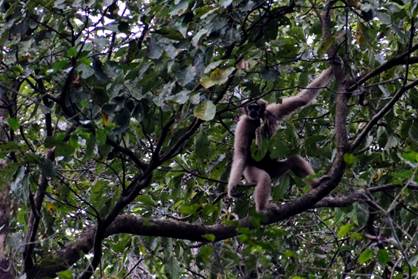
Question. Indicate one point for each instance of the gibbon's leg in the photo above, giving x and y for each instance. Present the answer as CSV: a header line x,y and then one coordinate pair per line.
x,y
299,166
262,189
242,142
302,168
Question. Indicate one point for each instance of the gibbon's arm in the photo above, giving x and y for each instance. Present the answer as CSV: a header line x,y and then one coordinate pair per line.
x,y
290,104
242,142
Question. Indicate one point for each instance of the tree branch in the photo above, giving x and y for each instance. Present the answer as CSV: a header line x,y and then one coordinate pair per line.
x,y
187,231
131,155
359,195
35,214
398,60
362,135
341,201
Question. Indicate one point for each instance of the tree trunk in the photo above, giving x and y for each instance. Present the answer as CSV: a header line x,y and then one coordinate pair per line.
x,y
6,268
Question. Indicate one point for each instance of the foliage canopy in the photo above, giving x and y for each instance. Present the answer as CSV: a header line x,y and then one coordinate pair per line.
x,y
117,123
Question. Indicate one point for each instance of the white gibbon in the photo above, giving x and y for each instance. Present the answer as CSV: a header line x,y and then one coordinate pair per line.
x,y
260,119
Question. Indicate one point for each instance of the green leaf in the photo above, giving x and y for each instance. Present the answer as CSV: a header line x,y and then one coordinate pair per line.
x,y
64,149
189,209
283,143
170,33
85,70
11,146
90,144
289,253
13,123
401,176
356,236
97,194
155,51
209,236
205,111
259,151
212,66
147,200
122,243
413,97
383,256
67,274
85,60
344,230
196,38
180,8
269,74
60,65
366,256
216,77
101,136
182,97
187,76
225,3
72,52
350,159
205,253
410,156
202,145
54,140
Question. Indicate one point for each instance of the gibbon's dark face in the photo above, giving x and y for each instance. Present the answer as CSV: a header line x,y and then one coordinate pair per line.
x,y
255,111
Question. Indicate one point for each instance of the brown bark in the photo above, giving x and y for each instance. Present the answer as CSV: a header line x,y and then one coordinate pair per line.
x,y
6,270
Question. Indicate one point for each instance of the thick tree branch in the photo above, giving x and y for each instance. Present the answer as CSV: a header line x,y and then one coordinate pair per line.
x,y
181,230
341,201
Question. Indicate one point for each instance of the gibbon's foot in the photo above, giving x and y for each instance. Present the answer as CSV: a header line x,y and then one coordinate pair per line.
x,y
315,182
233,193
270,206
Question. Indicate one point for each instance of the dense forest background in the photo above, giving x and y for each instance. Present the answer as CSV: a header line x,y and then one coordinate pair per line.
x,y
116,132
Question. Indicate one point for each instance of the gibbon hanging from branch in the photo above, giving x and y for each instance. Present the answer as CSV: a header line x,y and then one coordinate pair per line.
x,y
260,120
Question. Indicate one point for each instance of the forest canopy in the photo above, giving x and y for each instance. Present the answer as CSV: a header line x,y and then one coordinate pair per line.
x,y
117,123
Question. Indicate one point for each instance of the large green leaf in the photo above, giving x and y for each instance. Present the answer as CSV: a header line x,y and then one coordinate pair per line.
x,y
216,77
205,110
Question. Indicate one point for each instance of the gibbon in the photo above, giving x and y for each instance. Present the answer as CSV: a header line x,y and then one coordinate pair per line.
x,y
260,119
